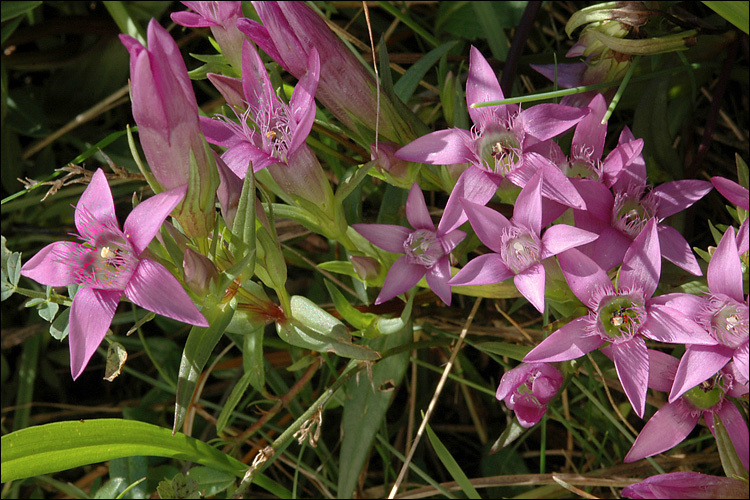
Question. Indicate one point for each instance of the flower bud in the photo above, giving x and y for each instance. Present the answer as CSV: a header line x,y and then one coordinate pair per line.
x,y
366,268
198,271
527,388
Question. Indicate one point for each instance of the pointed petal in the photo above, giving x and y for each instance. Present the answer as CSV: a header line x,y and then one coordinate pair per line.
x,y
666,429
530,283
597,198
475,185
389,237
416,210
698,364
569,342
687,305
633,175
742,362
568,74
561,237
97,201
487,224
736,427
676,196
591,132
481,85
585,278
255,81
259,34
190,20
676,250
154,288
661,370
641,266
444,147
608,250
303,101
451,240
437,277
557,186
240,156
665,324
483,270
230,89
56,264
618,161
732,191
725,269
528,207
743,237
90,316
401,277
145,220
218,132
545,121
631,363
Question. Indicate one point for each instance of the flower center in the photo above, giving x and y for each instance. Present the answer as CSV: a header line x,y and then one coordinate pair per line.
x,y
108,266
581,164
520,248
630,213
727,319
275,129
707,394
422,247
499,150
620,317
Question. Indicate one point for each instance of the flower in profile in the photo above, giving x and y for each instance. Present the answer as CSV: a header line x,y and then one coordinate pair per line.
x,y
672,423
518,249
426,250
221,18
732,191
527,388
108,263
679,485
620,316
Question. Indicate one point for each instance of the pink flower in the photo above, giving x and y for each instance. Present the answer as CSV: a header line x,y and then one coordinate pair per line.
x,y
620,316
517,245
109,263
527,388
222,18
426,250
679,485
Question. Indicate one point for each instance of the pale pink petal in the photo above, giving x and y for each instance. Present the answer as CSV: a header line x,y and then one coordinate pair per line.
x,y
481,86
487,224
732,191
561,237
618,161
242,155
545,121
444,147
483,270
451,240
57,264
586,279
724,273
687,485
688,305
389,237
145,220
608,249
632,176
661,370
416,210
528,207
736,427
96,200
475,185
743,237
591,132
665,324
699,363
401,277
676,250
90,316
437,278
741,360
191,20
666,429
569,342
641,266
676,196
530,283
154,288
631,363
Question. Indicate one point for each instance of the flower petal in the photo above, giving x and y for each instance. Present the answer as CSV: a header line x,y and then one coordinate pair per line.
x,y
444,147
666,429
676,196
416,210
389,237
255,81
591,132
475,185
641,266
584,276
483,270
530,283
487,223
724,273
145,220
154,288
569,342
732,191
631,363
437,278
96,200
736,427
303,100
90,316
401,277
545,121
699,363
665,324
676,250
661,370
259,34
528,207
481,86
561,237
56,264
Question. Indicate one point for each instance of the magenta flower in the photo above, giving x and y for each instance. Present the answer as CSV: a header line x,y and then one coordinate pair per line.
x,y
517,245
497,144
724,313
732,191
166,112
620,316
222,18
675,420
426,250
109,263
527,388
685,485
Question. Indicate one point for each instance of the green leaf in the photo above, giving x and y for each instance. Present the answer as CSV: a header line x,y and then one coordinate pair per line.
x,y
513,351
13,9
200,343
408,83
352,315
730,461
346,186
210,481
178,487
736,13
490,23
339,267
510,434
59,328
450,463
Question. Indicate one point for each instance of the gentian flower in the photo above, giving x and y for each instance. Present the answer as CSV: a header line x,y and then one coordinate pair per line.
x,y
685,485
724,313
517,245
672,423
620,316
107,264
732,191
527,388
166,112
426,250
497,144
222,18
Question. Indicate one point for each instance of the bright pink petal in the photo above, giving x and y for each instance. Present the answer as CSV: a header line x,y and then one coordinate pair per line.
x,y
743,237
545,121
145,220
96,200
303,100
725,269
56,264
561,237
528,207
699,363
416,210
487,224
618,160
591,132
218,132
736,427
557,186
732,191
255,81
742,361
437,278
687,305
661,370
259,34
401,277
569,342
530,283
565,75
641,266
608,249
633,175
483,270
475,185
242,155
90,316
665,324
666,429
444,147
631,363
586,279
154,288
676,250
389,237
597,198
676,196
481,85
191,20
230,89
